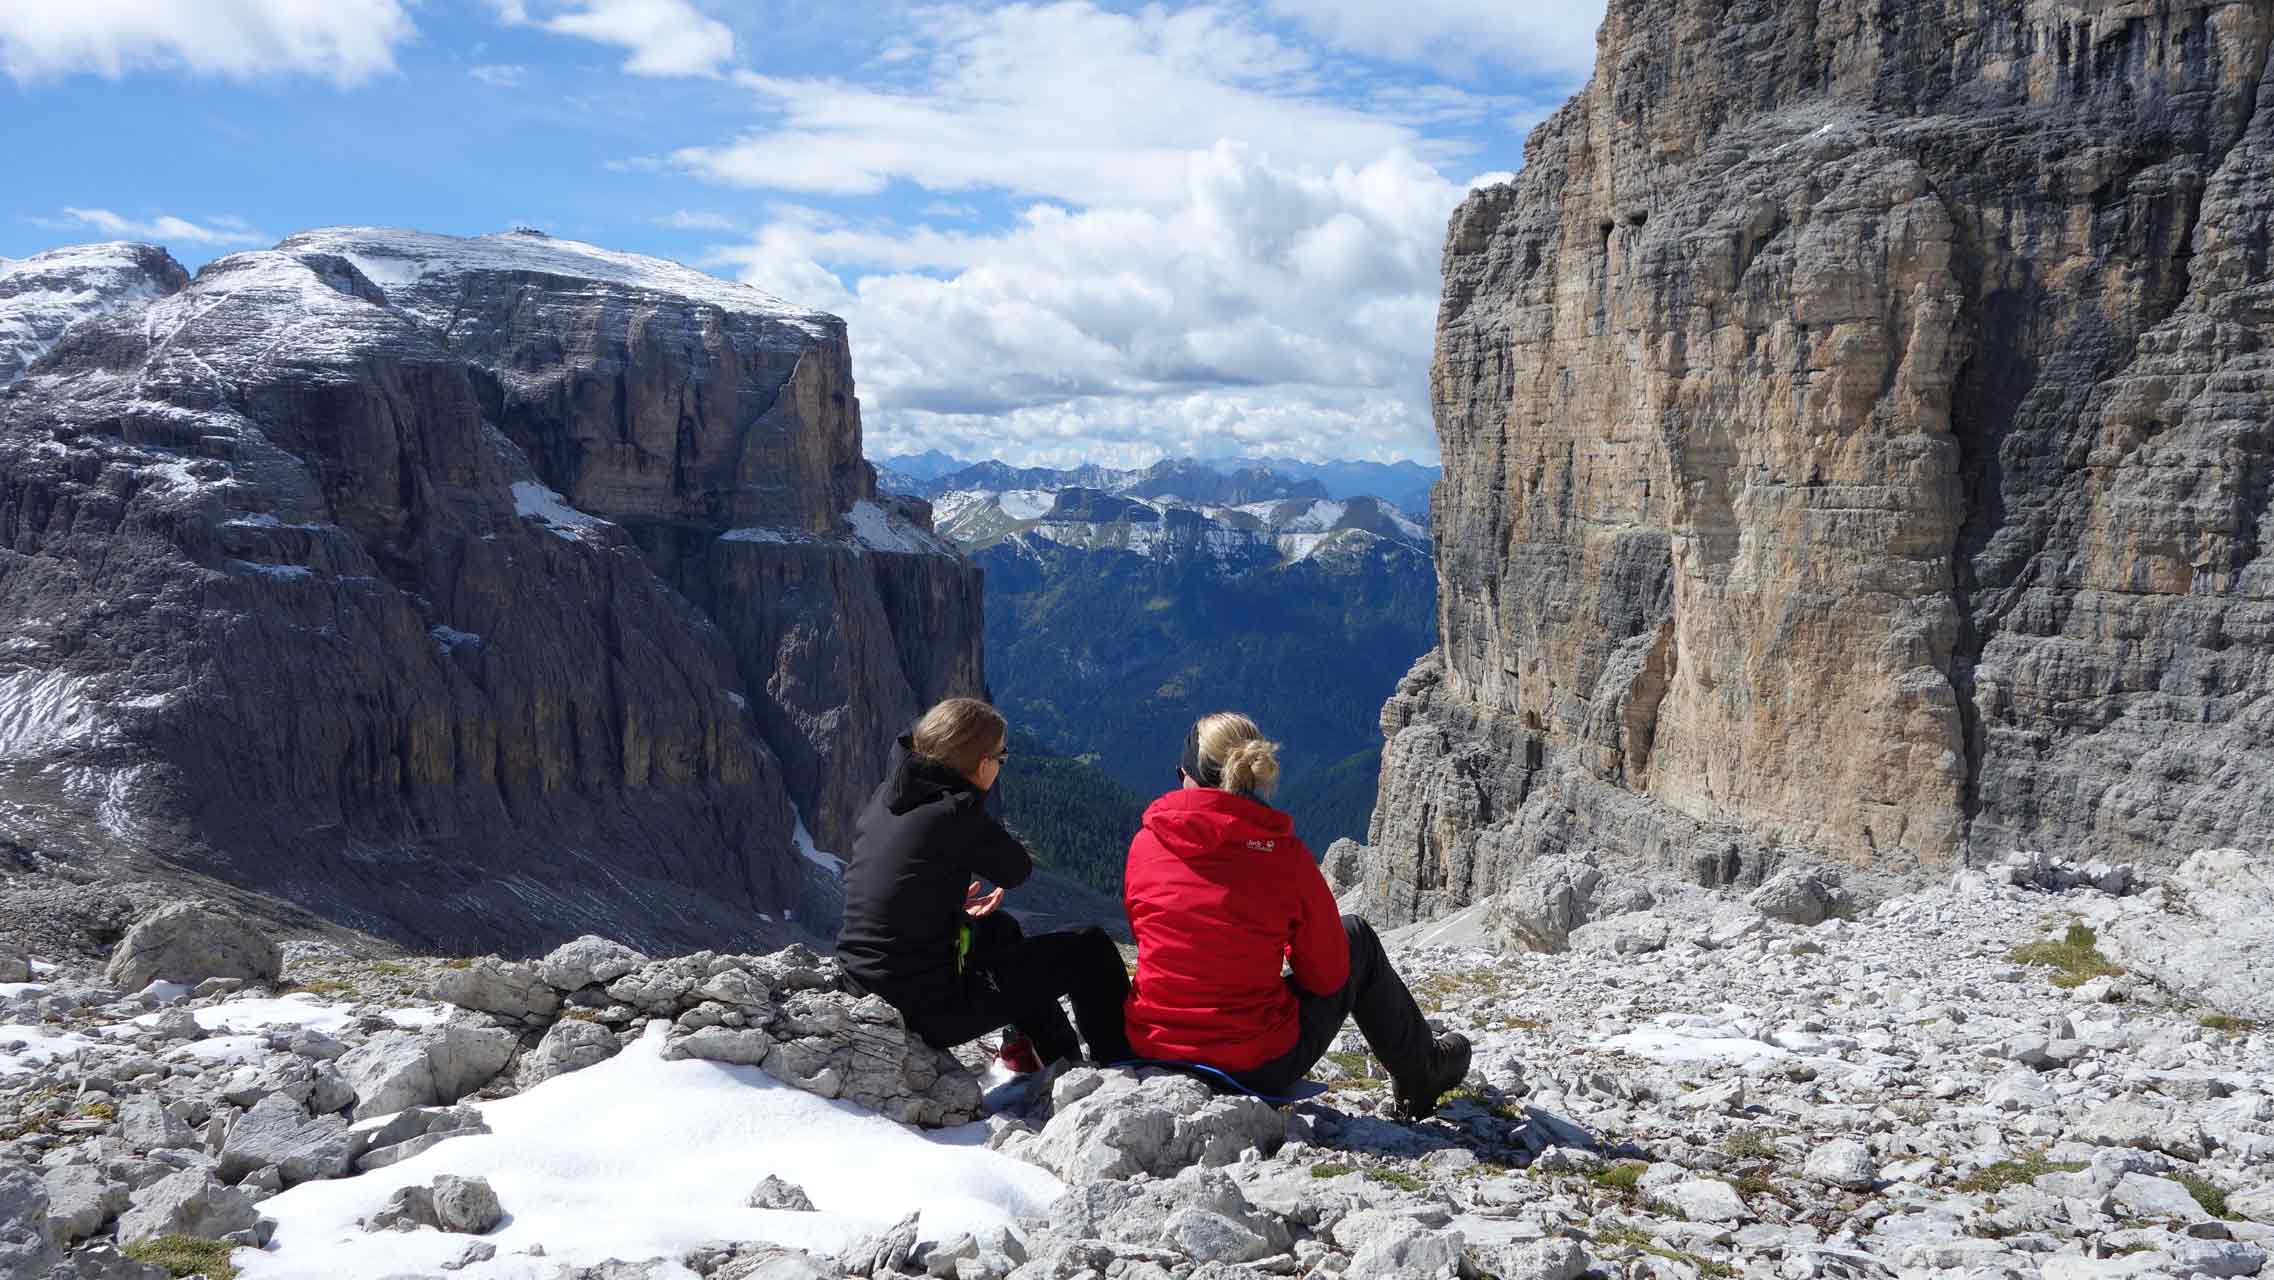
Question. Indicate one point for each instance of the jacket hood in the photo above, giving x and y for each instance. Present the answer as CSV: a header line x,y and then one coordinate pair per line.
x,y
1200,820
918,781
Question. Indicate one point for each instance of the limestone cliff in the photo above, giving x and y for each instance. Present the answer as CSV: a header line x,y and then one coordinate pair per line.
x,y
472,592
1858,425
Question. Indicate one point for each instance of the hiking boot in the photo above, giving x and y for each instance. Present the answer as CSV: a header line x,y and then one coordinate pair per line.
x,y
1448,1065
1018,1056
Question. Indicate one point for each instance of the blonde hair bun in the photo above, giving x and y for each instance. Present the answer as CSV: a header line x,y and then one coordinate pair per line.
x,y
1245,760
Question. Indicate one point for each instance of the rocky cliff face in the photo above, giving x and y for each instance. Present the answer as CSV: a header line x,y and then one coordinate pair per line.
x,y
473,592
1858,426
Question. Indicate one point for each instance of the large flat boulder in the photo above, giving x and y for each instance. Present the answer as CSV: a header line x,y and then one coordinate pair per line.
x,y
188,942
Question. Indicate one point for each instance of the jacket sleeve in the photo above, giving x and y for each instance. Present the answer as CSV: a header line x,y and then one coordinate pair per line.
x,y
996,855
1320,951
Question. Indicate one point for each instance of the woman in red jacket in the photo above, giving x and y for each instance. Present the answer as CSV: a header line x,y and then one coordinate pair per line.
x,y
1220,895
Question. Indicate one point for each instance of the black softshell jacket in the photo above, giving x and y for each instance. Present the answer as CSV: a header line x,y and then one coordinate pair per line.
x,y
918,844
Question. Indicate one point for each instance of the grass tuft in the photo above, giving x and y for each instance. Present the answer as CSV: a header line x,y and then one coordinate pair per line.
x,y
186,1256
2228,1023
1330,1169
1620,1179
2207,1193
1754,1142
2075,959
2013,1173
1396,1178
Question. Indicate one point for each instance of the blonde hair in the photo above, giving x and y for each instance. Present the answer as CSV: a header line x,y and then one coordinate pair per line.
x,y
960,733
1244,760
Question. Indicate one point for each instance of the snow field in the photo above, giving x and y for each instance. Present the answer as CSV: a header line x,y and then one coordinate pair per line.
x,y
638,1158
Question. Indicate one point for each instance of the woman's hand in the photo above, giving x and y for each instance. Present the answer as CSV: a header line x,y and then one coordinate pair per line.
x,y
977,903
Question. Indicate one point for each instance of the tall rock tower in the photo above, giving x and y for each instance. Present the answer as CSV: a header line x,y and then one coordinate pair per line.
x,y
1858,424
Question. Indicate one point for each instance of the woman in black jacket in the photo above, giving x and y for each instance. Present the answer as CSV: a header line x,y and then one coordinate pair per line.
x,y
918,930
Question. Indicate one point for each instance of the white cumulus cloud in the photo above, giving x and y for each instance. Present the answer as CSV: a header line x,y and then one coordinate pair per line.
x,y
1548,37
662,37
345,41
1220,246
159,227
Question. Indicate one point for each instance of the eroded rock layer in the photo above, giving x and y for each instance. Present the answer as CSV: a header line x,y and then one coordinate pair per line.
x,y
474,592
1858,426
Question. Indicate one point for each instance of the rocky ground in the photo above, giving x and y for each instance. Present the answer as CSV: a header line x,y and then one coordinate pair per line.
x,y
1956,1082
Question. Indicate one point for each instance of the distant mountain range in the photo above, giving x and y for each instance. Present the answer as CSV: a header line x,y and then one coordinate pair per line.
x,y
1405,485
1123,604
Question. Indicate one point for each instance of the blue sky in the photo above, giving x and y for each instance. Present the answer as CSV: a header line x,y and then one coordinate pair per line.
x,y
1060,232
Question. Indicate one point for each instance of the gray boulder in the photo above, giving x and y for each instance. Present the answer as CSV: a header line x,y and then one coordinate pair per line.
x,y
82,1200
587,960
1552,1259
466,1054
1118,1124
465,1206
1407,1249
880,1255
1555,896
490,985
1803,895
15,966
1842,1163
280,1132
145,1124
189,942
2213,940
773,1193
571,1044
735,1046
1626,935
389,1073
189,1203
27,1236
395,1070
856,1048
412,1132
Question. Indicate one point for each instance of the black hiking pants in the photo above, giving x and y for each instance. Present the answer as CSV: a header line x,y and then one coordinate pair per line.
x,y
1376,996
1012,980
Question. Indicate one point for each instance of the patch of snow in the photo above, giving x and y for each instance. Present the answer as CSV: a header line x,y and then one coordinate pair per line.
x,y
740,703
44,709
1321,517
38,1047
18,990
880,530
45,296
803,839
399,262
536,502
41,968
681,1145
1297,547
1027,504
1688,1038
161,991
1405,524
300,1009
225,1050
281,572
772,536
417,1016
448,639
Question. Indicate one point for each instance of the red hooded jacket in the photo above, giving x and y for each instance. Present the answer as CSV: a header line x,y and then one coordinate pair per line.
x,y
1219,893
